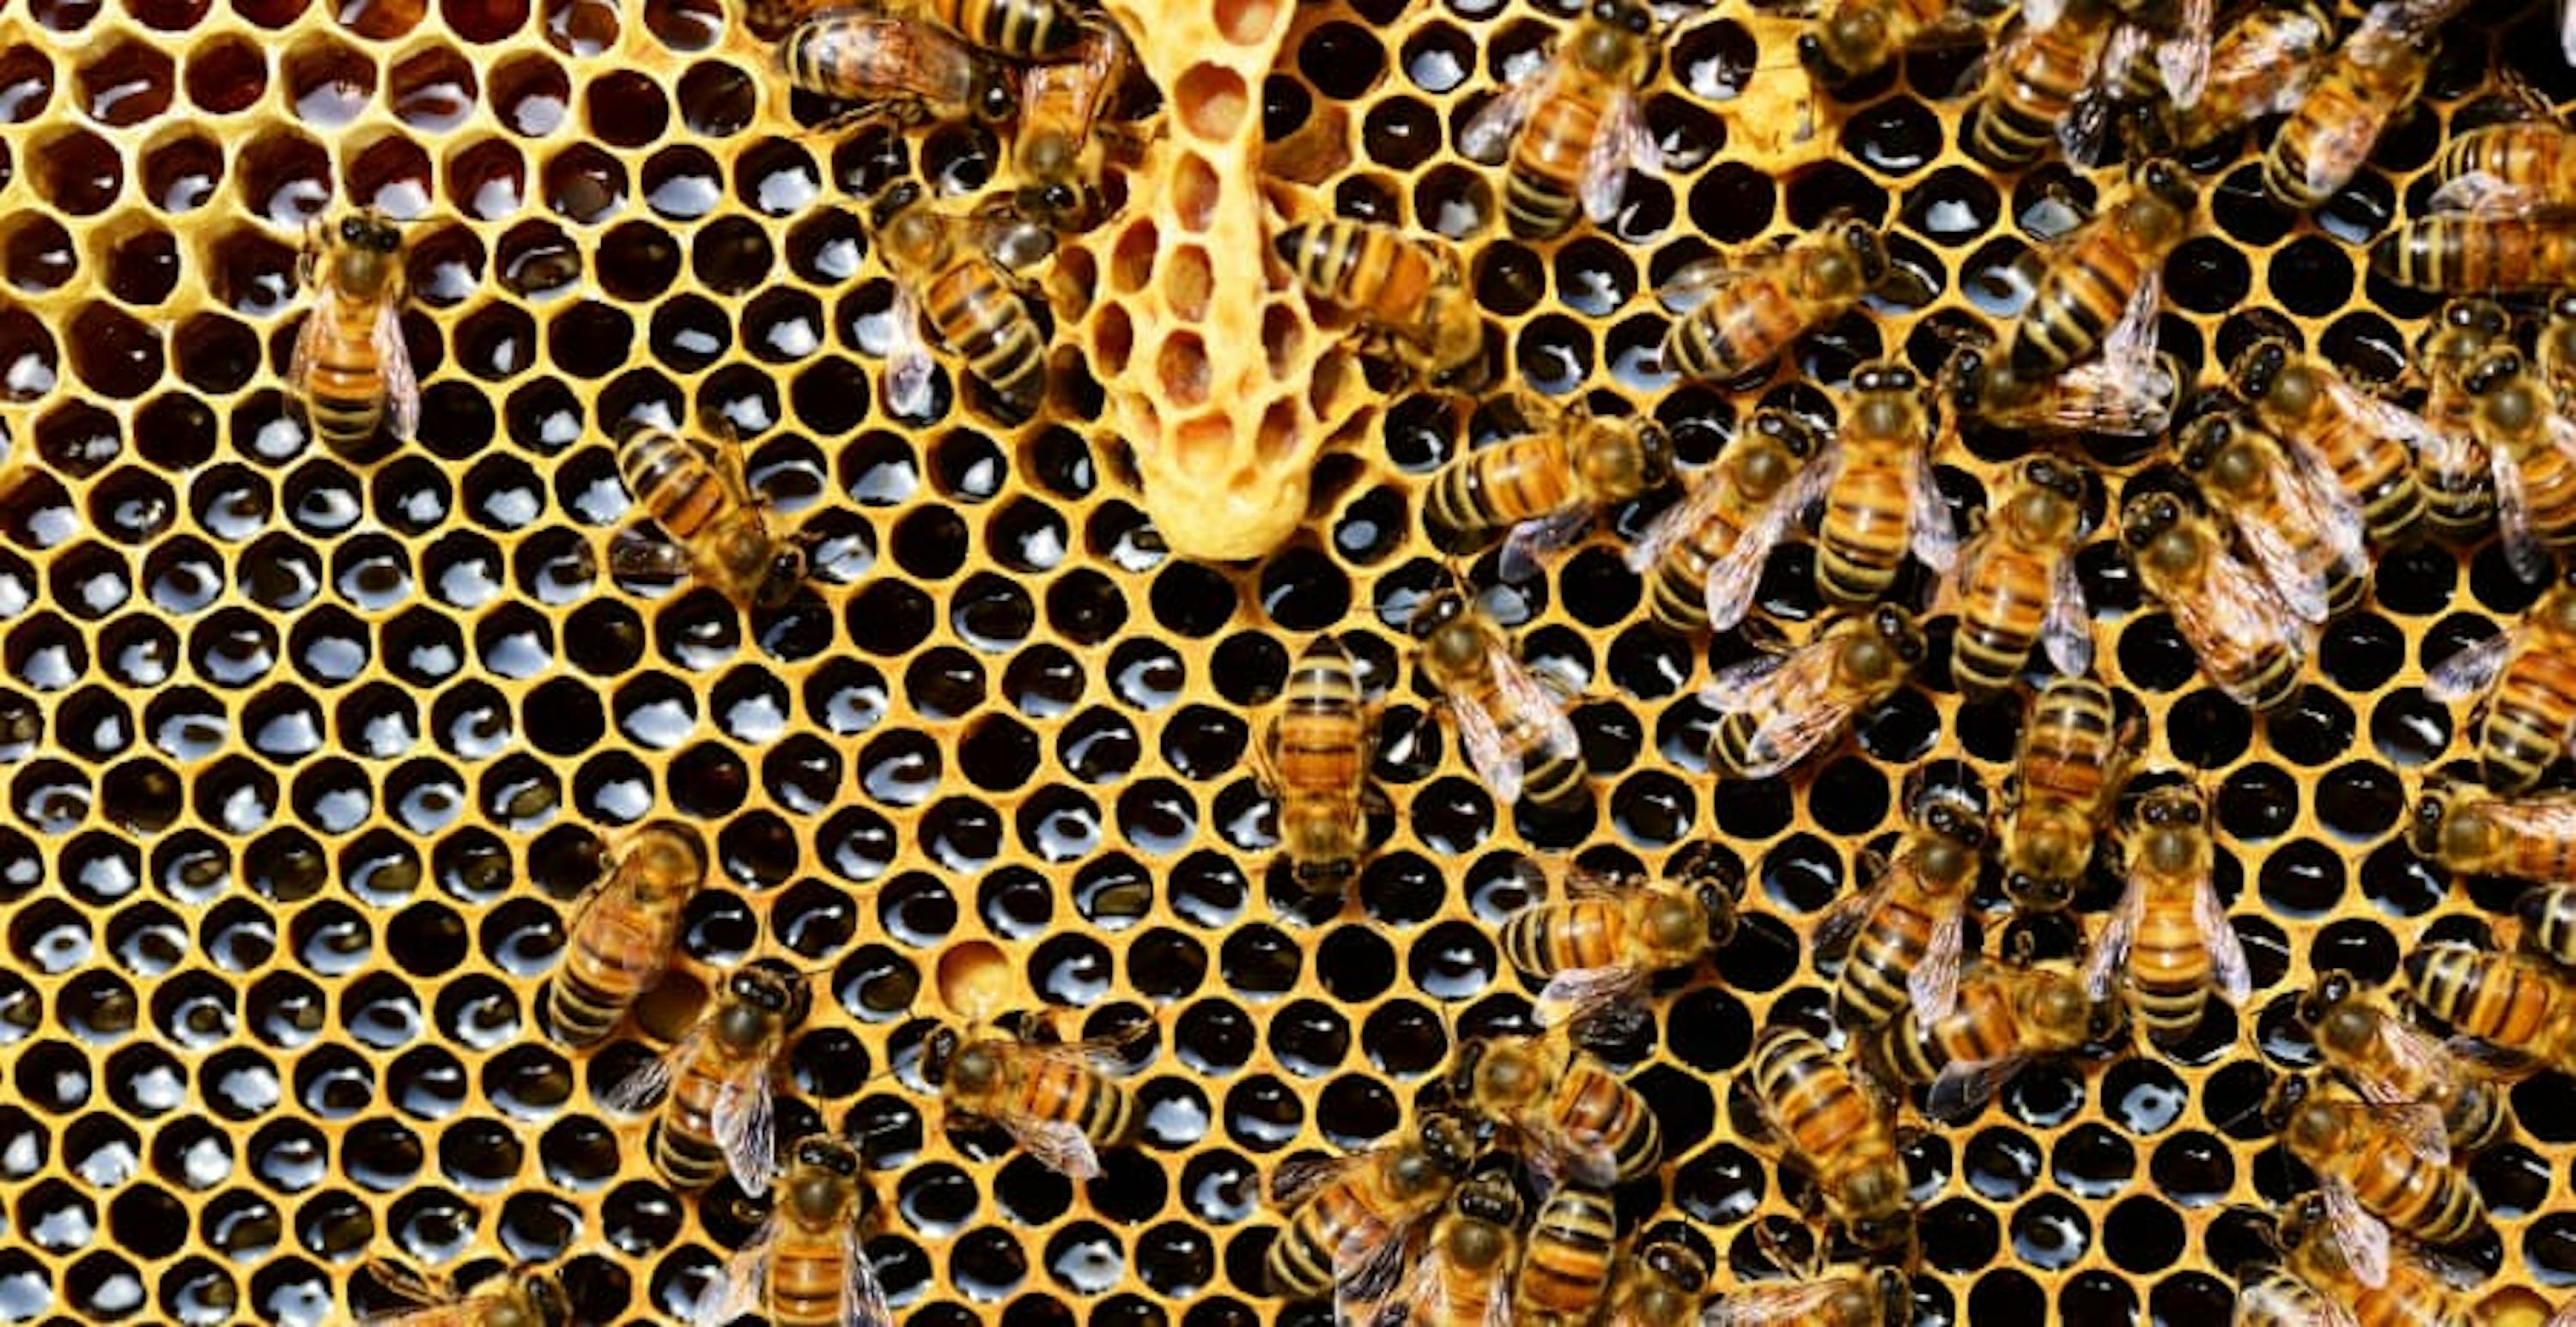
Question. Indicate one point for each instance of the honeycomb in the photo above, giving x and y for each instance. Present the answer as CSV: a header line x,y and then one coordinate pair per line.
x,y
306,761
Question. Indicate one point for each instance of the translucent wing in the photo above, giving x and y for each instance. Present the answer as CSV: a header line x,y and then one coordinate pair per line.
x,y
2419,1056
1585,1157
1842,923
908,362
1366,1270
1799,704
1521,690
2111,948
1745,685
2183,57
425,1303
2067,632
1786,738
1581,882
1934,982
863,1297
2522,550
1773,1306
1490,130
1732,579
646,1085
2086,127
745,1124
1928,526
308,348
1963,1087
1060,1146
1574,994
2479,193
1494,760
2381,416
2227,969
2471,670
402,389
742,1284
2235,608
1294,1181
1678,522
2041,15
462,1313
1690,287
1532,540
2547,818
1622,140
2361,1236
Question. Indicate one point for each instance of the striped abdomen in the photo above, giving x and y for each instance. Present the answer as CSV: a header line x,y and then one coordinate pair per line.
x,y
1546,777
2548,487
2410,1192
1300,1261
2377,471
1369,271
672,482
1592,1104
2068,751
1567,937
2527,719
1871,991
855,58
1678,595
989,325
2031,86
1020,29
1860,544
1502,485
607,964
2002,604
806,1270
2080,295
2169,968
1317,744
1539,191
2331,131
2537,154
2487,996
345,387
1566,1264
2462,254
1981,1028
684,1147
1739,328
1051,1089
1828,1120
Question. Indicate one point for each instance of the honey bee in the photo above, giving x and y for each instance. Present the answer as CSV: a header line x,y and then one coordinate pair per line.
x,y
2006,1015
1018,29
2528,678
2047,83
1060,140
2250,642
1566,1265
2459,498
2331,130
1597,946
621,936
2264,64
1514,730
2301,530
1410,295
2171,931
2391,1062
1053,1098
1777,709
1880,497
1574,124
1707,551
1463,1277
2526,838
351,366
1876,1297
1547,485
2513,164
807,1264
1661,1286
2419,1290
1751,311
1351,1218
2517,1005
701,496
2016,583
2074,759
1315,759
2129,390
1839,1130
2556,351
2378,1167
1904,934
2098,274
2477,252
718,1111
2532,448
1859,37
2548,916
2273,1297
527,1297
1580,1120
948,275
898,68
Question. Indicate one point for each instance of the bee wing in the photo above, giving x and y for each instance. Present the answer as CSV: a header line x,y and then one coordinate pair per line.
x,y
863,1297
2548,817
1574,995
1490,129
1295,1180
425,1303
2480,193
2227,967
1842,923
2522,550
745,1124
1934,539
2418,1054
1494,761
1582,882
2111,948
2041,15
1062,1147
1772,1306
1963,1087
2472,669
2361,1236
1532,540
2183,57
2237,606
308,347
1934,982
1745,684
1677,522
1366,1270
646,1085
2381,415
1733,578
908,362
1690,287
1522,691
1623,140
2067,632
742,1283
461,1313
402,388
2086,127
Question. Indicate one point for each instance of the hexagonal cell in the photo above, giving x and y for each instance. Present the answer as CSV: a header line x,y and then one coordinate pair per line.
x,y
327,81
125,84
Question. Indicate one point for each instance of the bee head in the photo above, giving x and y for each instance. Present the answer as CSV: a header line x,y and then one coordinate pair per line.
x,y
2047,472
2262,367
1861,242
893,203
1716,886
1880,1233
1490,1198
2481,317
2169,184
1897,627
1442,607
2280,1104
996,101
937,1053
1633,19
2200,441
1676,1263
2152,527
1818,56
1949,813
2430,826
785,574
825,1152
1449,1144
1885,376
2321,1000
2038,893
1779,445
1654,453
2165,808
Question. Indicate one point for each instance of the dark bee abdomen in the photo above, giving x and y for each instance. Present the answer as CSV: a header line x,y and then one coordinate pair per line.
x,y
2431,1202
1021,29
1823,1112
1539,191
1498,486
1861,543
2078,299
1300,1261
1564,937
2475,1116
991,327
2169,969
2527,720
2483,995
1593,1102
345,396
1567,1264
2478,254
1093,1104
2017,121
593,990
1737,330
1872,988
671,482
2329,108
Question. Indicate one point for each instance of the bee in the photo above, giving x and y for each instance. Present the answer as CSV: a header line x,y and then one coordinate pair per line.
x,y
807,1264
2273,1297
701,496
2006,1015
1018,29
2525,838
1565,1268
1775,710
527,1297
1579,1118
2477,252
2379,1167
1904,935
2391,1062
1351,1218
1315,759
718,1111
2264,64
1880,497
1514,730
1574,124
1750,312
2331,130
2171,930
2533,459
2528,678
2556,351
1463,1277
1547,485
2074,759
2016,583
1876,1297
2418,1291
351,367
2514,164
1860,37
1661,1286
1411,295
2098,273
948,274
2459,497
621,937
2516,1004
2250,642
1598,945
2300,529
2548,916
1707,551
1060,139
1053,1098
1838,1129
2129,390
2046,83
900,68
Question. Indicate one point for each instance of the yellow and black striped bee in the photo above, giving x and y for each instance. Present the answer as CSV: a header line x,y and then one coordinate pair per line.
x,y
2262,65
1017,29
1903,937
1513,729
2331,130
2297,526
718,1109
1578,1119
1351,1219
2516,1004
2129,390
1863,1297
1574,124
1661,1285
1597,946
1055,1099
351,367
1060,145
948,275
2459,492
807,1264
1775,710
2532,451
2250,642
2515,164
1548,484
2378,1167
621,938
701,496
1880,495
2548,916
2094,278
1749,312
2273,1297
1463,1276
2555,351
1410,294
2074,759
2477,833
1566,1262
899,68
2006,1015
1315,759
2393,1063
2043,84
1836,1127
2479,252
1707,551
2527,677
526,1297
2418,1288
1859,37
2170,934
2015,583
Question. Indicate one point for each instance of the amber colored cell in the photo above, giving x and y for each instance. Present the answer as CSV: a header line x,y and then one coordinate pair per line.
x,y
581,27
432,89
285,177
381,20
1188,282
1195,188
1212,101
250,272
327,81
168,15
28,357
226,75
78,171
270,14
717,99
531,94
1245,22
484,22
391,174
1131,264
37,254
488,180
126,84
63,15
